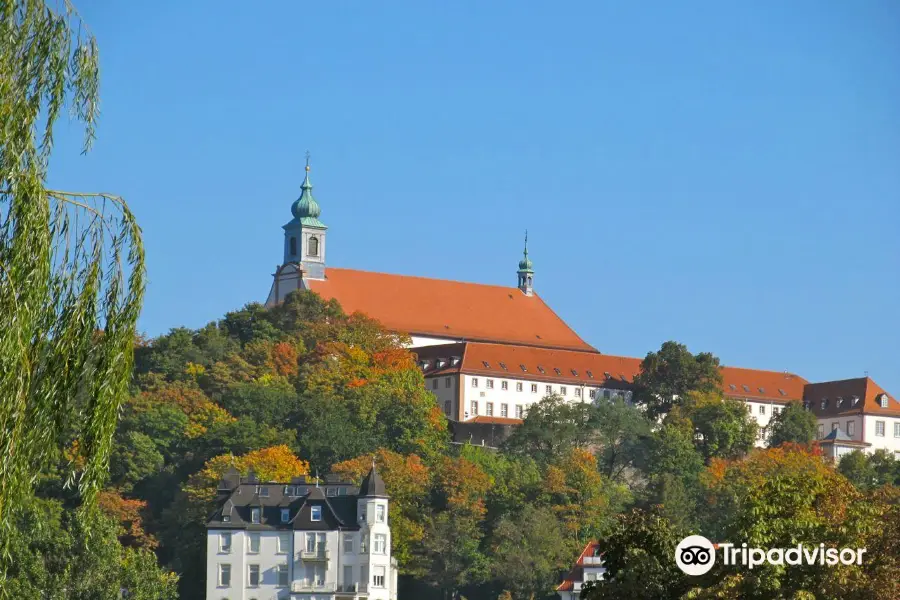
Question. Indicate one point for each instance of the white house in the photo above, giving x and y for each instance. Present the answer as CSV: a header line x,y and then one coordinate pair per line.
x,y
589,567
301,540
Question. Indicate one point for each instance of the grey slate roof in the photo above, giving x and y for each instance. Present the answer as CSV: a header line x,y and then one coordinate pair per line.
x,y
373,484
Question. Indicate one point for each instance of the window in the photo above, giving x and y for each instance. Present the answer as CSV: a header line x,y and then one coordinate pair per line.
x,y
840,401
520,411
474,382
310,542
574,372
504,410
447,407
490,384
380,544
549,389
253,576
331,491
821,431
254,515
293,246
746,388
434,384
282,575
489,409
263,492
578,392
348,543
541,369
593,394
562,390
762,409
285,515
557,371
504,385
474,410
446,382
315,513
851,428
519,386
879,428
503,366
348,577
884,401
253,543
378,576
523,367
224,543
362,543
486,364
226,518
225,575
762,390
607,394
284,543
313,246
897,430
534,388
824,403
379,513
590,373
835,425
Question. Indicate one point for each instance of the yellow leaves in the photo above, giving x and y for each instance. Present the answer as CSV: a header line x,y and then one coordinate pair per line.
x,y
202,412
406,477
464,485
194,370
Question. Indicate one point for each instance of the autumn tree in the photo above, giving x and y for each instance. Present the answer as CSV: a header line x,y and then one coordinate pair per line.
x,y
793,424
669,375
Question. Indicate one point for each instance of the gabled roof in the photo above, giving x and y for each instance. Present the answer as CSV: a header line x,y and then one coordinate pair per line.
x,y
839,438
577,572
849,396
593,369
448,309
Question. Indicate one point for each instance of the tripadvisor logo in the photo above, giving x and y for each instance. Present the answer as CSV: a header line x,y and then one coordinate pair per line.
x,y
696,555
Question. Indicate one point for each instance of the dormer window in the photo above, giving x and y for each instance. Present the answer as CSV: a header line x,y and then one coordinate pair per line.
x,y
824,403
441,363
732,387
486,364
590,374
226,518
607,375
503,366
315,513
285,515
574,372
746,388
782,392
541,369
762,390
313,246
254,515
884,401
557,371
454,360
263,492
524,368
855,400
840,401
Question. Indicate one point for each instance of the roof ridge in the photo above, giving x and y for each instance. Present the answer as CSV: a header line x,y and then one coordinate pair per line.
x,y
490,285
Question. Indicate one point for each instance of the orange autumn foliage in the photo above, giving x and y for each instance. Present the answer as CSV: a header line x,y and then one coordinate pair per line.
x,y
127,513
284,359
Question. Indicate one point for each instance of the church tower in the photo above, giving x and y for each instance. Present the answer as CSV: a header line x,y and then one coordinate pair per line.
x,y
526,272
304,245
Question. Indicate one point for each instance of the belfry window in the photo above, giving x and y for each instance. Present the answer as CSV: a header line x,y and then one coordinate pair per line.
x,y
313,246
293,246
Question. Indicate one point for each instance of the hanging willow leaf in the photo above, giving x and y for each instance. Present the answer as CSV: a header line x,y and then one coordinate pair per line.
x,y
71,268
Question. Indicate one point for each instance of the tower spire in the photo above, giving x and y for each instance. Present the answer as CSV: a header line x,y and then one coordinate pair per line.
x,y
526,271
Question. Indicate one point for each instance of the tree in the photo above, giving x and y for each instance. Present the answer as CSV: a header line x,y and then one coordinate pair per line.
x,y
272,402
71,266
551,429
868,471
722,426
794,424
621,433
670,374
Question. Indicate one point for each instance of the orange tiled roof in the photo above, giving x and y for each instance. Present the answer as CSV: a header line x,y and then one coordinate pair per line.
x,y
451,309
483,420
575,574
595,369
840,397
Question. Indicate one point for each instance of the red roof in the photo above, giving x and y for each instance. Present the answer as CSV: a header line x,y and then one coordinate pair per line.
x,y
483,420
841,398
576,574
449,309
595,369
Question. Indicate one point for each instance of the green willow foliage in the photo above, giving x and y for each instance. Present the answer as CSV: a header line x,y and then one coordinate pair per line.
x,y
71,268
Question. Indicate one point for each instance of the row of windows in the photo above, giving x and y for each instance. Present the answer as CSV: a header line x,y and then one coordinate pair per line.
x,y
313,574
762,409
254,578
489,410
315,542
548,389
312,246
880,428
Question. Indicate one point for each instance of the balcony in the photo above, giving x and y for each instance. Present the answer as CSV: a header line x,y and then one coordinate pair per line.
x,y
313,587
592,561
318,555
352,589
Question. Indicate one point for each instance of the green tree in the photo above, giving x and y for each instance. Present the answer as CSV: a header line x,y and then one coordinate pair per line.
x,y
274,403
671,374
620,433
793,424
551,429
723,428
134,458
868,471
71,266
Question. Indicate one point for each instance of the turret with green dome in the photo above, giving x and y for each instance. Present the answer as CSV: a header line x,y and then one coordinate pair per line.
x,y
304,235
526,272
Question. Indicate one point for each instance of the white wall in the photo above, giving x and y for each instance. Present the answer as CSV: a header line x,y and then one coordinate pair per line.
x,y
420,340
889,441
446,391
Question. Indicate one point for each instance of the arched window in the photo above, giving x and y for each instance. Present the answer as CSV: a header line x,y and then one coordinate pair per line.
x,y
293,246
313,246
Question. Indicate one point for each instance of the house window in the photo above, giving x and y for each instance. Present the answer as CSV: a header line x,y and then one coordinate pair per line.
x,y
606,394
379,513
549,389
348,543
434,384
518,386
578,392
879,428
310,542
263,492
313,246
474,382
284,543
378,576
225,543
315,513
474,408
293,246
447,407
348,577
380,544
446,382
490,384
225,575
835,426
884,401
762,409
534,388
504,410
897,430
489,409
504,385
851,428
562,390
821,431
254,515
253,576
519,411
362,543
282,575
285,515
253,543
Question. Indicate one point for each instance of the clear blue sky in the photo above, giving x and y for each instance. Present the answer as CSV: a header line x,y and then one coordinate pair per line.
x,y
723,174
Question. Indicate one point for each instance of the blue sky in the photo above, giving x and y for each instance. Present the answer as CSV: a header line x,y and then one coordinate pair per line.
x,y
723,174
